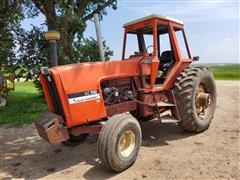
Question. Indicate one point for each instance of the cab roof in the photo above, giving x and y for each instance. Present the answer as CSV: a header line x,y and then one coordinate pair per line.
x,y
153,16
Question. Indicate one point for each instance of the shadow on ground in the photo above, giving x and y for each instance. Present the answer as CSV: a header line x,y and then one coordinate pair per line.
x,y
28,156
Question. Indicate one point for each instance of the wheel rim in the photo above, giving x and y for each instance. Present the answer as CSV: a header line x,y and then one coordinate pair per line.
x,y
203,101
3,102
126,143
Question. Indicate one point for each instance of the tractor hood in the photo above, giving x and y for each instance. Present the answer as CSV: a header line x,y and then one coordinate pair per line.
x,y
87,76
79,87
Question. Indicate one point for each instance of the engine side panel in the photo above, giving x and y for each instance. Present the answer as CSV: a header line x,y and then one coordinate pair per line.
x,y
81,85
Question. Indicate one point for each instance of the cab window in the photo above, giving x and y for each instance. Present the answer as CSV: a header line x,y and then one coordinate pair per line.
x,y
182,43
139,42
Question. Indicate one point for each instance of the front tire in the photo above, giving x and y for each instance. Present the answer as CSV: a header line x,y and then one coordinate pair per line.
x,y
195,93
119,142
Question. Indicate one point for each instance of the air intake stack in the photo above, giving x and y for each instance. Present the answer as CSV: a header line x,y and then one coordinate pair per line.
x,y
52,37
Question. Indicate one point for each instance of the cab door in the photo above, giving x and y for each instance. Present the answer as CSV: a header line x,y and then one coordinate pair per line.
x,y
181,51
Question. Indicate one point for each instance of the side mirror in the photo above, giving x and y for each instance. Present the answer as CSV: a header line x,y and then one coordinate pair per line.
x,y
196,58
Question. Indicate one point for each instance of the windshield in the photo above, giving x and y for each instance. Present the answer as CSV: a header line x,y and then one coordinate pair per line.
x,y
139,42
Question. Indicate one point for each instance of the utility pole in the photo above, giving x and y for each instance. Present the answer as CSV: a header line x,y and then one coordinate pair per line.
x,y
99,37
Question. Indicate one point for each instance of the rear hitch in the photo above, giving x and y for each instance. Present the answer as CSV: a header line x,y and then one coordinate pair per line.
x,y
51,128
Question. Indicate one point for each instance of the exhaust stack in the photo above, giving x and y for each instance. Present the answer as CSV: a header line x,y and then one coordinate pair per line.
x,y
52,37
99,36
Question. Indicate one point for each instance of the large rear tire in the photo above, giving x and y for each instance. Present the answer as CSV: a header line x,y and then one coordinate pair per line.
x,y
119,142
195,93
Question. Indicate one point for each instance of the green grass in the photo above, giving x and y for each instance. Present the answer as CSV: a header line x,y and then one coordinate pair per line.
x,y
24,105
226,72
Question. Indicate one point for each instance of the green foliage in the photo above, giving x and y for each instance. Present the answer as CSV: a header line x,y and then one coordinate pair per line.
x,y
24,105
69,18
35,54
87,50
32,52
226,72
10,17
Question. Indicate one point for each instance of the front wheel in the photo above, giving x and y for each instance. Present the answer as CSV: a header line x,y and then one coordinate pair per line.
x,y
119,142
195,93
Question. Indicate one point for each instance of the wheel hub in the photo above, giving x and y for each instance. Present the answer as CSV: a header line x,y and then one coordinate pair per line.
x,y
127,143
202,101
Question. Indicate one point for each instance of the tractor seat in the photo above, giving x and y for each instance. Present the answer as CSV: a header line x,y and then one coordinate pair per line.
x,y
166,63
166,58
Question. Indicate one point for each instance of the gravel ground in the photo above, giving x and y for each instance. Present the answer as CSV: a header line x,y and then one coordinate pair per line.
x,y
167,152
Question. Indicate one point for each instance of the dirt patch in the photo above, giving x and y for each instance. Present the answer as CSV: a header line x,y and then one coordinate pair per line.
x,y
167,152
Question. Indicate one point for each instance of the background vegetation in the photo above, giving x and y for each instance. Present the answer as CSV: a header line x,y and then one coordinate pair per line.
x,y
226,72
24,105
22,50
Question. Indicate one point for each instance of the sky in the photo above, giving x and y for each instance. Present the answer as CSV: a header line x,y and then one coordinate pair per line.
x,y
212,26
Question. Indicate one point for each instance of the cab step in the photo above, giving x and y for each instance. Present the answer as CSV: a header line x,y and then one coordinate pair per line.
x,y
168,119
163,104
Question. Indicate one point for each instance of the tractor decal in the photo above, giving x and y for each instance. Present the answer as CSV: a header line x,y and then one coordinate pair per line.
x,y
83,96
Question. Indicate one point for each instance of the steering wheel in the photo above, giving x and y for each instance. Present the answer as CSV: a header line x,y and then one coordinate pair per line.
x,y
148,48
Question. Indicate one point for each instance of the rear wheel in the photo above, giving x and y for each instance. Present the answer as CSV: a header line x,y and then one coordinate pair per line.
x,y
119,142
3,101
195,93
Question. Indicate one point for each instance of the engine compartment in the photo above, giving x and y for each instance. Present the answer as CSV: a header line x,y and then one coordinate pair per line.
x,y
117,91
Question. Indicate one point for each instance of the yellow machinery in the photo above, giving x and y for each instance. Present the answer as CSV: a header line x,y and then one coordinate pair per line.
x,y
6,85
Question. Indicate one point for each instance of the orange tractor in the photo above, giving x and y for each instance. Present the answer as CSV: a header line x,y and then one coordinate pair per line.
x,y
153,77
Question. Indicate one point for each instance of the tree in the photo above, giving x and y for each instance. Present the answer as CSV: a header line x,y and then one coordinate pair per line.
x,y
32,51
35,53
10,17
69,18
88,50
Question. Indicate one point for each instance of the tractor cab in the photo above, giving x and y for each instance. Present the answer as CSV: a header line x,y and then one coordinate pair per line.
x,y
160,37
